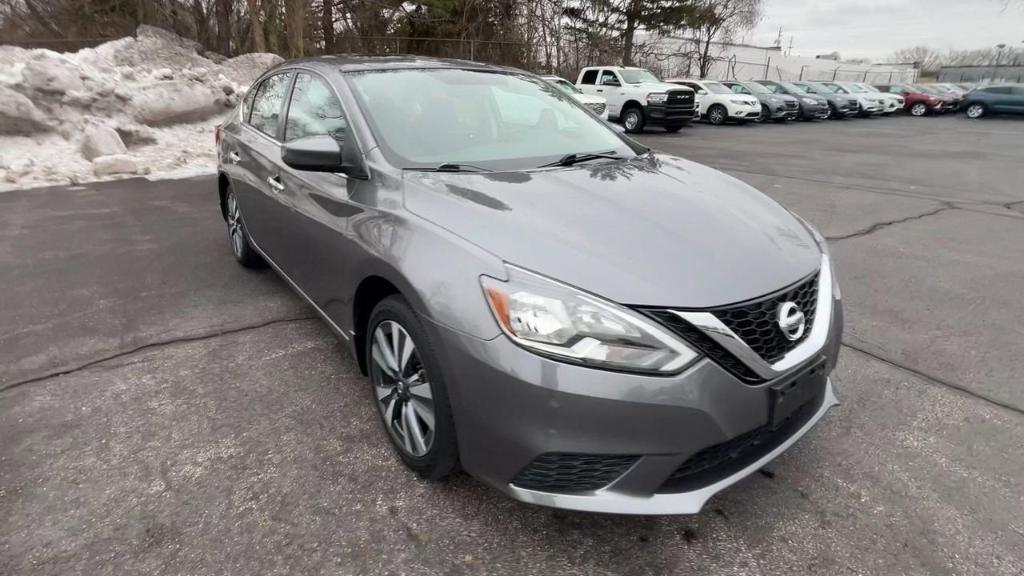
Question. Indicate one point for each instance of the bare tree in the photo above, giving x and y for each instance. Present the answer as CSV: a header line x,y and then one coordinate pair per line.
x,y
718,21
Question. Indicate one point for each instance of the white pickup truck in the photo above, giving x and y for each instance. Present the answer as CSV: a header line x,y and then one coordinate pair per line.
x,y
637,98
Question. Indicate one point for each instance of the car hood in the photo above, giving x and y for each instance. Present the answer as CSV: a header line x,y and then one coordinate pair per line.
x,y
659,86
655,230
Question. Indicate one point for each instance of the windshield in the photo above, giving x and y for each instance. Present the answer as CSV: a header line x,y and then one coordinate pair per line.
x,y
716,88
834,88
756,88
425,118
566,86
868,88
637,75
790,87
858,89
926,90
814,89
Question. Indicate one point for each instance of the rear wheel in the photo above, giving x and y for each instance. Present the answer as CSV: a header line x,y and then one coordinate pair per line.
x,y
975,110
717,114
409,391
919,109
241,246
633,120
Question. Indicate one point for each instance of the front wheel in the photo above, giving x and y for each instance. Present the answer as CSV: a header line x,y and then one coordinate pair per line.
x,y
633,120
918,109
717,115
765,113
409,390
241,246
975,110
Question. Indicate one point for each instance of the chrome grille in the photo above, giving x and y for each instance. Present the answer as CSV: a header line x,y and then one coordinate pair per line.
x,y
596,107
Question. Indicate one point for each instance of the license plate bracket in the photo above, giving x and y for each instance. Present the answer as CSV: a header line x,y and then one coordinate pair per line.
x,y
787,398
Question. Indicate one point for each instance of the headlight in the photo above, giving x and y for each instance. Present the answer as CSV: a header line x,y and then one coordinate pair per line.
x,y
809,101
657,97
738,102
773,100
559,321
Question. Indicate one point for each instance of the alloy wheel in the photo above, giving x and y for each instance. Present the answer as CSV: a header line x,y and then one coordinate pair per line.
x,y
975,111
716,115
235,225
918,109
631,120
404,395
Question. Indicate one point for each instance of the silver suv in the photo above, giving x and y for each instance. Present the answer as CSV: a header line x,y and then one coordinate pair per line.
x,y
575,319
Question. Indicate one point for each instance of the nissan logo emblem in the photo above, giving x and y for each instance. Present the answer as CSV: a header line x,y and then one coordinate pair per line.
x,y
791,321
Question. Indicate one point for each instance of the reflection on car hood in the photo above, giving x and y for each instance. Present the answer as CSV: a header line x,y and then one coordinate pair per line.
x,y
589,99
656,230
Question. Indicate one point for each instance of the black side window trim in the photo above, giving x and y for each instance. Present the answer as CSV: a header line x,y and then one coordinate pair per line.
x,y
284,105
291,91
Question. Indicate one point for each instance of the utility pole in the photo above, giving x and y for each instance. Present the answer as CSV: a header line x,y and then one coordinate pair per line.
x,y
778,39
790,49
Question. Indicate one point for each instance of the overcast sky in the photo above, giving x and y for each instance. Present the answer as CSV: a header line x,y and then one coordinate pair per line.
x,y
875,28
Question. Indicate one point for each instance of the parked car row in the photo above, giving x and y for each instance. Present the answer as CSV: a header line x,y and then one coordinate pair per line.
x,y
637,98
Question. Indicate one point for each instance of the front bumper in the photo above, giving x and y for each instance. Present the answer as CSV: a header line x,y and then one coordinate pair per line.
x,y
662,115
810,111
512,407
737,112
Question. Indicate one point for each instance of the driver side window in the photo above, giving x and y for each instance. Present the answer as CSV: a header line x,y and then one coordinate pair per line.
x,y
608,78
314,110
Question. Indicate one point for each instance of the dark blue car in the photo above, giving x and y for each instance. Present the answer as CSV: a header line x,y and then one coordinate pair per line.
x,y
1001,99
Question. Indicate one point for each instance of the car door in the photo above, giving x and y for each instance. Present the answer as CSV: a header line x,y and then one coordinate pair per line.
x,y
1017,99
317,246
609,85
588,81
257,157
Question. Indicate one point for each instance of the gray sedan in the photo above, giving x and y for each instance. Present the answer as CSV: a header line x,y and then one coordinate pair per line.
x,y
574,319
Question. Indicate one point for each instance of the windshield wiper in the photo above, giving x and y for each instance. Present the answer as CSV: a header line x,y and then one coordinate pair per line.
x,y
570,159
453,167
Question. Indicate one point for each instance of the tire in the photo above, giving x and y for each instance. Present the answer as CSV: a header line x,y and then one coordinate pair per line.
x,y
407,404
918,109
975,110
673,128
633,120
717,114
833,113
238,236
766,114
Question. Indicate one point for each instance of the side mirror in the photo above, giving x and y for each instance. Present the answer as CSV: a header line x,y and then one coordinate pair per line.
x,y
702,92
610,82
322,154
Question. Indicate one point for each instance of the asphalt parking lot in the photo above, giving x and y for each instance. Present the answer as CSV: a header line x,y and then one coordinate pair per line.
x,y
164,411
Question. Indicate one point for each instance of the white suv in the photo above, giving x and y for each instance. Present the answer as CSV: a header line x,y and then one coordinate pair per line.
x,y
637,98
719,104
893,102
596,104
869,103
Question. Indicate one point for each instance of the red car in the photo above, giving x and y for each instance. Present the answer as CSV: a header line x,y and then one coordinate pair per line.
x,y
914,101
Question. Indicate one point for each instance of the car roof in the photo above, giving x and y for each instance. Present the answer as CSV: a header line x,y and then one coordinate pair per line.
x,y
362,63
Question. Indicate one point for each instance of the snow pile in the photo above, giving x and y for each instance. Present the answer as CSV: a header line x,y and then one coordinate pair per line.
x,y
138,105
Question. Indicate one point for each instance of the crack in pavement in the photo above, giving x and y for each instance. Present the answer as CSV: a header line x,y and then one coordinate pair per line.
x,y
880,225
159,344
935,380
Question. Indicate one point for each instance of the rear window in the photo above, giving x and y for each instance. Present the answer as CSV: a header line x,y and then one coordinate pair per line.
x,y
997,90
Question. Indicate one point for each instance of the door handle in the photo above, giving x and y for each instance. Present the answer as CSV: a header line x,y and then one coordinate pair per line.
x,y
234,157
275,184
599,90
